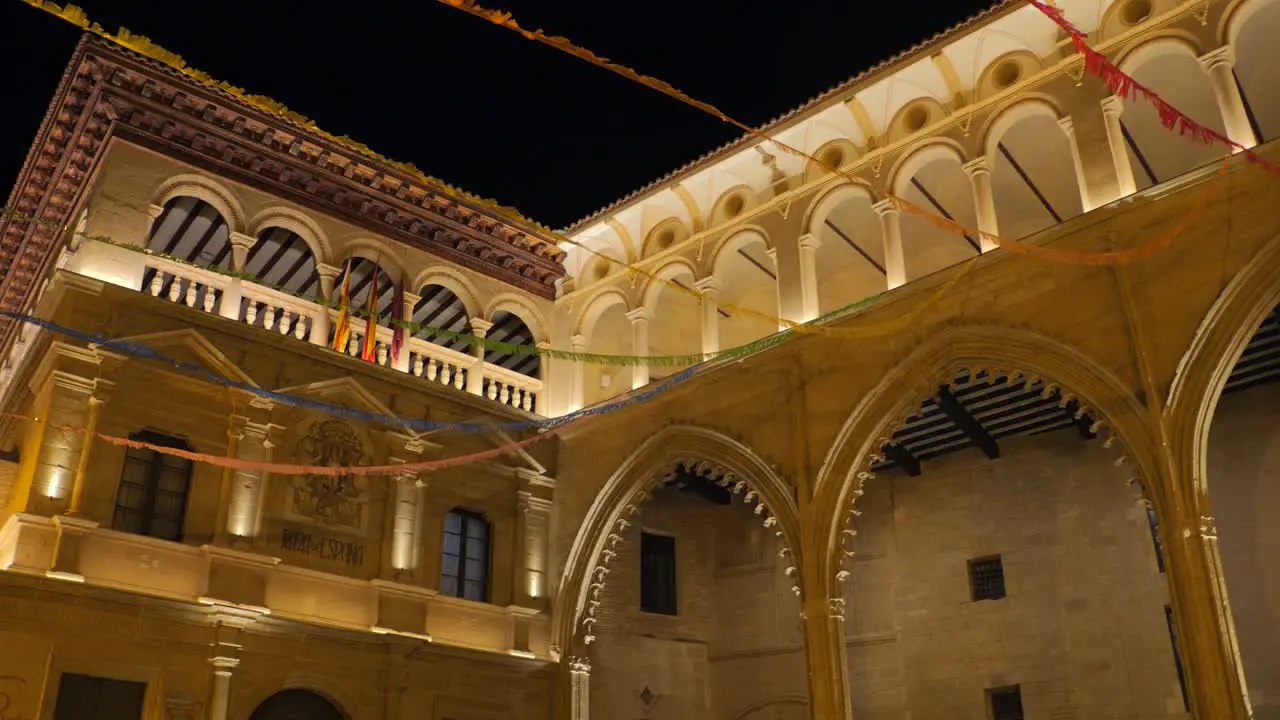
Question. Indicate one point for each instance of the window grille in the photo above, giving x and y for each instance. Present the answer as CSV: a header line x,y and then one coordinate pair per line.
x,y
986,578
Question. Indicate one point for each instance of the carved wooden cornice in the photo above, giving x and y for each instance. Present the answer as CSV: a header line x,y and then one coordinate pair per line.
x,y
111,92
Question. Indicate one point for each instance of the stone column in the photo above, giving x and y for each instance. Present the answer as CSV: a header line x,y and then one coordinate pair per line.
x,y
533,525
241,244
1077,162
1112,109
578,343
225,658
406,314
895,265
710,289
823,622
809,245
52,474
406,522
249,441
320,323
579,688
640,318
475,375
1221,66
984,201
787,255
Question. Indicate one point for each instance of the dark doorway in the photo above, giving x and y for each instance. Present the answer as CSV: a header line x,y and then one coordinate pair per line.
x,y
82,697
297,705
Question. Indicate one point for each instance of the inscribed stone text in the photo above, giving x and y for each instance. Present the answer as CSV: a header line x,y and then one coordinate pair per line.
x,y
343,551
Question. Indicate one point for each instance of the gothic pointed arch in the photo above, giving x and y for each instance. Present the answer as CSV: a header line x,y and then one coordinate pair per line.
x,y
630,484
919,375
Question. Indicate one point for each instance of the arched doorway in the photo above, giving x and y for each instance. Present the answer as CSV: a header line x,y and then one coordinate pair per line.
x,y
297,704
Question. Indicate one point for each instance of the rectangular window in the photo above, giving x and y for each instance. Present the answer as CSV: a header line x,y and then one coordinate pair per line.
x,y
82,697
1005,703
1155,537
658,574
464,571
1177,656
986,578
152,498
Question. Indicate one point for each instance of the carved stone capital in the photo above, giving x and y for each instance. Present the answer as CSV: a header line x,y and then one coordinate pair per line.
x,y
580,665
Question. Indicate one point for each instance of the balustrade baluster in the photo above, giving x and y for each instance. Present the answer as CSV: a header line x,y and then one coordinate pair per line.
x,y
191,293
433,369
459,378
492,391
417,365
285,316
382,354
269,322
353,346
251,313
527,404
300,327
175,289
157,282
445,370
209,299
506,394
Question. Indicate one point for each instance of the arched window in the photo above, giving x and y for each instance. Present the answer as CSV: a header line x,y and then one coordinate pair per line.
x,y
152,498
464,570
509,327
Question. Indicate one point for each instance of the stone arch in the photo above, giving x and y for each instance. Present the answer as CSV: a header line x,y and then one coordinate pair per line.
x,y
299,224
1214,351
739,238
1013,113
596,306
299,701
1238,14
202,188
824,203
658,281
918,376
1164,43
375,251
456,282
746,711
629,486
920,156
518,306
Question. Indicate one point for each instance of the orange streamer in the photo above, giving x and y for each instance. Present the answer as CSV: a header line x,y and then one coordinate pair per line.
x,y
294,469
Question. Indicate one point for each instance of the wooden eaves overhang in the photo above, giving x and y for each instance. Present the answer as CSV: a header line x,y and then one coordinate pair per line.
x,y
110,92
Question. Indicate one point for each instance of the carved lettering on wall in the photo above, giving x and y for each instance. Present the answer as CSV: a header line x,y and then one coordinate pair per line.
x,y
325,499
325,548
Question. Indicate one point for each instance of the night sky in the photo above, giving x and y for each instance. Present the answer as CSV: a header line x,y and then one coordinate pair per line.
x,y
481,107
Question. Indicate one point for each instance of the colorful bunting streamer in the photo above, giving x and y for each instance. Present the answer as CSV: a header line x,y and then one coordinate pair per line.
x,y
135,349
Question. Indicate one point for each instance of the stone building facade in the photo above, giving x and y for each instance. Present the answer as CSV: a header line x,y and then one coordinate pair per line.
x,y
976,483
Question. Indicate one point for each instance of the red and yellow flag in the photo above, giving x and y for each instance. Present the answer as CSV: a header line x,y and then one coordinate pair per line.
x,y
342,331
369,344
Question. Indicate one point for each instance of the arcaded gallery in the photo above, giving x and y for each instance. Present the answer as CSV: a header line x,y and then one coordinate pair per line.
x,y
952,394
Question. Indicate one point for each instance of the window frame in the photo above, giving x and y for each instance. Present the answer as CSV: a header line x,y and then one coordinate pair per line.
x,y
973,566
466,518
1005,690
151,487
669,604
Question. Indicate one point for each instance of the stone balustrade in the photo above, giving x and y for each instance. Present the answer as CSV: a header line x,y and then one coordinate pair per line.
x,y
245,301
80,551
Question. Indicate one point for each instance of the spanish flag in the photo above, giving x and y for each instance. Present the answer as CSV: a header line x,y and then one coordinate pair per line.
x,y
369,344
342,331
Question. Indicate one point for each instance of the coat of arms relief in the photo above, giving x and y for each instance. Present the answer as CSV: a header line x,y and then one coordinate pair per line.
x,y
331,500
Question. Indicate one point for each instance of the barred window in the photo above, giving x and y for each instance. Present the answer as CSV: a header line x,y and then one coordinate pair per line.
x,y
986,578
464,571
152,497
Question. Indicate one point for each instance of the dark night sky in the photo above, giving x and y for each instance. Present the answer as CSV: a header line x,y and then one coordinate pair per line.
x,y
481,107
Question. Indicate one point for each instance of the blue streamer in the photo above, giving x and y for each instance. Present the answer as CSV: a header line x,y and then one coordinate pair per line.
x,y
143,351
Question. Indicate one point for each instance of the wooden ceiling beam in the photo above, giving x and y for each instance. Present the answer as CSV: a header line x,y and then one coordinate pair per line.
x,y
960,415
